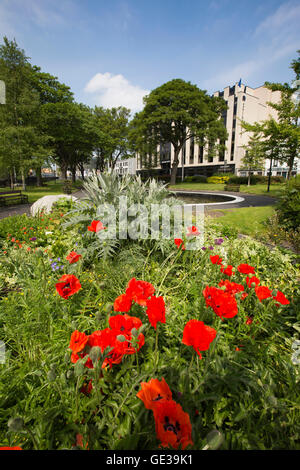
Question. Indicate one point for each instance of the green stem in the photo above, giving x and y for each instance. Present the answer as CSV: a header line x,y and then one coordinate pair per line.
x,y
156,350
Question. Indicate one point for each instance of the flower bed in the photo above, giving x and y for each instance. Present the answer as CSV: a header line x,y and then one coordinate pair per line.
x,y
145,350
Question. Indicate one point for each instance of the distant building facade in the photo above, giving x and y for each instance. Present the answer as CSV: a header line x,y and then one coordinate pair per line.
x,y
244,103
126,167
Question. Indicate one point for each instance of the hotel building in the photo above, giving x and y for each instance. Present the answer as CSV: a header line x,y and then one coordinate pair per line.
x,y
244,103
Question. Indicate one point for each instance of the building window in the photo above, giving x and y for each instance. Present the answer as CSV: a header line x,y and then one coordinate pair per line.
x,y
192,148
200,156
222,152
184,152
235,106
232,151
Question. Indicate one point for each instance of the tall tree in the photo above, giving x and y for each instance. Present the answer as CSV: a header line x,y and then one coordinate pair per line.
x,y
50,90
71,128
255,155
176,112
112,127
22,145
288,130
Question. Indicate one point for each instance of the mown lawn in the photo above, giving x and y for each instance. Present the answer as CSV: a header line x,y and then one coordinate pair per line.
x,y
247,220
51,188
275,189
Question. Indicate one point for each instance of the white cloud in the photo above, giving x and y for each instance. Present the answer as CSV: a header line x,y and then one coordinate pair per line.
x,y
275,38
282,20
115,90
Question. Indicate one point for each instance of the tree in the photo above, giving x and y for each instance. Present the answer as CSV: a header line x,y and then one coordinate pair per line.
x,y
50,90
255,156
176,112
72,131
288,130
112,126
22,144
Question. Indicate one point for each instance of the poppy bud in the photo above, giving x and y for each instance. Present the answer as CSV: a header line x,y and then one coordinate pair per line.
x,y
121,338
51,375
94,354
214,439
78,369
70,374
15,424
109,308
134,332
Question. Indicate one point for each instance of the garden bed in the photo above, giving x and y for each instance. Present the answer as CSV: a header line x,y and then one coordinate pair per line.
x,y
145,347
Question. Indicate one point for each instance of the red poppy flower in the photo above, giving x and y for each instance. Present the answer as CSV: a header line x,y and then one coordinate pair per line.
x,y
263,292
153,391
179,243
198,335
172,424
96,226
244,295
75,357
249,321
73,257
228,271
223,303
78,341
79,441
11,448
193,231
139,291
123,324
122,303
231,287
121,348
246,269
68,285
102,338
252,280
156,310
280,297
216,259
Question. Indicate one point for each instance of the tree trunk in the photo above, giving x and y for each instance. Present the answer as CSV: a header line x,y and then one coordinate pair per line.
x,y
23,180
249,178
63,170
11,175
73,170
39,176
174,167
291,164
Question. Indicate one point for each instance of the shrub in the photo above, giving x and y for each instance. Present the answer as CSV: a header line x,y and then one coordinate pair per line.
x,y
218,179
288,209
195,179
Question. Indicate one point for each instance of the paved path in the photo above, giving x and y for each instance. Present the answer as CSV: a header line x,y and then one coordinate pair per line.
x,y
250,200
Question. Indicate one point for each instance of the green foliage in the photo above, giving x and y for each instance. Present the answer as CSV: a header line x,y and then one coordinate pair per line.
x,y
176,112
106,193
242,395
218,179
288,209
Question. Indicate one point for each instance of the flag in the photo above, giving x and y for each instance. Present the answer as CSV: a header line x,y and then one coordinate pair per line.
x,y
240,82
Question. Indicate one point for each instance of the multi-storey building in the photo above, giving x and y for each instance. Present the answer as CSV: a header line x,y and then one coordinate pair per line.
x,y
244,103
127,166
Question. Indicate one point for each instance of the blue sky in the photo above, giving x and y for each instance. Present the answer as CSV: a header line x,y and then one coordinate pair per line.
x,y
114,52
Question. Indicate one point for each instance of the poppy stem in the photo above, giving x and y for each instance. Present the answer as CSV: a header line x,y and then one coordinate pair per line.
x,y
192,360
156,349
137,362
